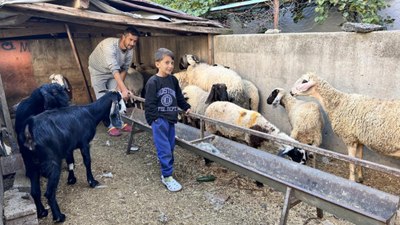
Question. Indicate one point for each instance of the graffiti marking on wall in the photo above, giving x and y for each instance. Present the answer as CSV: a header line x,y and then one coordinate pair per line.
x,y
11,45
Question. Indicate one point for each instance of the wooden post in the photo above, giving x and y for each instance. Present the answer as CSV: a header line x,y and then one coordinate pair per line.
x,y
210,49
4,110
78,61
276,14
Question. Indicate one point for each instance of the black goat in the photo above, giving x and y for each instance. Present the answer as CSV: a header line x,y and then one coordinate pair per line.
x,y
54,134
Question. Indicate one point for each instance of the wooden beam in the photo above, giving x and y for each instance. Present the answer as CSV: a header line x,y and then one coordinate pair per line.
x,y
71,15
78,61
81,4
158,11
4,110
29,30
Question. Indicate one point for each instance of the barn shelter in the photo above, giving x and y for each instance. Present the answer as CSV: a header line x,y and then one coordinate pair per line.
x,y
40,38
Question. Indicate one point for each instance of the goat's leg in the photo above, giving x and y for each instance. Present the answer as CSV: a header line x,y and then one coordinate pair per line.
x,y
70,162
359,155
352,149
52,183
85,151
36,194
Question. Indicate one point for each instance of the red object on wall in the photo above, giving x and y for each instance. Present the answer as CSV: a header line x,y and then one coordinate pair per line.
x,y
16,70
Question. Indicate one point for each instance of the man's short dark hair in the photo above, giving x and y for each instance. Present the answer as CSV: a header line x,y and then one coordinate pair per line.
x,y
133,31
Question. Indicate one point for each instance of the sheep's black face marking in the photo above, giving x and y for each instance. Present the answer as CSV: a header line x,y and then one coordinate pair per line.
x,y
183,63
272,96
218,93
304,81
295,154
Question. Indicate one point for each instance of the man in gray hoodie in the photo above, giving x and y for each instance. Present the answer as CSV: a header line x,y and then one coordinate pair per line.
x,y
108,64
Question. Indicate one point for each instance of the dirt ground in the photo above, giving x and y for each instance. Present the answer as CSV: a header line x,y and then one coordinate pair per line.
x,y
135,195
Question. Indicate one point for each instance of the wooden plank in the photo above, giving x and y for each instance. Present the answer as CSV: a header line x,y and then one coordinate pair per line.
x,y
69,14
81,4
158,11
4,109
29,31
78,61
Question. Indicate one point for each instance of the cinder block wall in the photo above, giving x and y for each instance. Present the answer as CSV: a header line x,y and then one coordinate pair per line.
x,y
354,63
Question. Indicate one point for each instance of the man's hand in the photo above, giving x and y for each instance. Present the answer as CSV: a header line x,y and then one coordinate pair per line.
x,y
126,94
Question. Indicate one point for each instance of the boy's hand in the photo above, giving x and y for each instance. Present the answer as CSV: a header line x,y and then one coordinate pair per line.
x,y
187,111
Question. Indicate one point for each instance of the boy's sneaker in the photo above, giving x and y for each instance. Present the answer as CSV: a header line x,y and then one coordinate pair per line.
x,y
171,183
114,132
126,128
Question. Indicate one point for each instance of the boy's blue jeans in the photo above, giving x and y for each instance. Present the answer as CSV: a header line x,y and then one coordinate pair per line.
x,y
164,140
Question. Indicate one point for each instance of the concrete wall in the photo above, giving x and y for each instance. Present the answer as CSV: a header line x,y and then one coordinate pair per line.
x,y
355,63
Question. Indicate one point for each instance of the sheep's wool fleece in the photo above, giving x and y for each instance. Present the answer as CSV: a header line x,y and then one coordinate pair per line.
x,y
234,114
196,97
361,119
305,119
204,76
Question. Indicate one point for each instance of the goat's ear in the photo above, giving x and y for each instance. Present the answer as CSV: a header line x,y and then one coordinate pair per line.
x,y
49,99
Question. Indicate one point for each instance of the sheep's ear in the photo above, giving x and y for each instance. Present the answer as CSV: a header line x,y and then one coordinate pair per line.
x,y
272,96
212,96
183,63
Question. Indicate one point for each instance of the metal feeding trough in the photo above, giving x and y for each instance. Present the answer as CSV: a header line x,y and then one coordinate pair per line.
x,y
354,202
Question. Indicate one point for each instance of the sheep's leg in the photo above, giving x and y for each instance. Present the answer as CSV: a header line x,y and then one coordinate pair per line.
x,y
36,194
70,162
359,154
352,152
52,183
85,151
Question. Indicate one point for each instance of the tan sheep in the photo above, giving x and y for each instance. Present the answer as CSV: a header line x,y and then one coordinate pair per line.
x,y
233,114
304,117
359,120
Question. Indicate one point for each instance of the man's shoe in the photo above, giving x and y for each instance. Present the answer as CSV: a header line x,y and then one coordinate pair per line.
x,y
126,128
114,132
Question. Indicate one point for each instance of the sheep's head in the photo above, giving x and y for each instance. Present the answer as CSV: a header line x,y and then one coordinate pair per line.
x,y
305,85
188,60
295,154
275,97
218,93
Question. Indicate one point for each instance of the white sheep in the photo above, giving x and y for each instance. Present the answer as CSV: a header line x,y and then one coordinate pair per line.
x,y
304,117
233,114
204,76
359,120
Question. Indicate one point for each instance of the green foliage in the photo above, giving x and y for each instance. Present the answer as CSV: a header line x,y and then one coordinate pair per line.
x,y
365,11
193,7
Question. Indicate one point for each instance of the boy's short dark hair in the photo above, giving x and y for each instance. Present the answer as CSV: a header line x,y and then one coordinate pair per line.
x,y
161,52
132,30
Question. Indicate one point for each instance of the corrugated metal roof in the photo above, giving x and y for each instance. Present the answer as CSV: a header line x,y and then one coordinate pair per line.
x,y
139,13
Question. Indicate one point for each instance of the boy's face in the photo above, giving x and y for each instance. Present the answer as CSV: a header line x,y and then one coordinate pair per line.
x,y
165,66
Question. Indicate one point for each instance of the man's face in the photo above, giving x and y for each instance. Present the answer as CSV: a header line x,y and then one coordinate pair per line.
x,y
129,41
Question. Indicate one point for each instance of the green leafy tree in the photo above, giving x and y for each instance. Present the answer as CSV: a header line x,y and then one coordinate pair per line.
x,y
365,11
193,7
